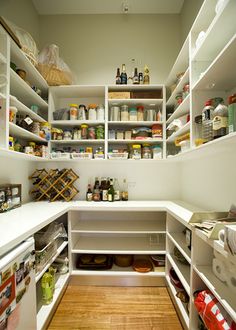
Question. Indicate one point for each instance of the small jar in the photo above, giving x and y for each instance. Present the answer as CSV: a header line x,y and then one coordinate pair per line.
x,y
100,112
100,132
12,114
133,114
92,113
185,90
84,132
73,111
91,133
140,110
146,151
82,112
178,99
67,135
11,143
89,150
157,152
135,151
124,112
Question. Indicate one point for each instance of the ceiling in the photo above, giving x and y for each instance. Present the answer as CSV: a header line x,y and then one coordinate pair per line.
x,y
60,7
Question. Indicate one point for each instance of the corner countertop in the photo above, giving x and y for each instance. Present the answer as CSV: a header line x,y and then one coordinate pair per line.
x,y
19,224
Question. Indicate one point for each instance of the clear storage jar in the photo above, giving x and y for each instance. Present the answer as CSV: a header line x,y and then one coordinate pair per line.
x,y
124,112
133,114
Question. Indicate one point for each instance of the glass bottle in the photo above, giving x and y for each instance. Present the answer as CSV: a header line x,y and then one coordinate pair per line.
x,y
207,116
96,191
220,121
136,77
232,113
131,75
146,77
46,285
118,77
124,192
104,196
117,190
123,75
111,192
53,271
89,194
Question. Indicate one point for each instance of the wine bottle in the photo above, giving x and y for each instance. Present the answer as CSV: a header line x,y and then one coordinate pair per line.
x,y
123,75
111,192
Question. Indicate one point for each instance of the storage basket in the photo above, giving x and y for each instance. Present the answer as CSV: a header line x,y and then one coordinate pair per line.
x,y
84,155
118,155
53,75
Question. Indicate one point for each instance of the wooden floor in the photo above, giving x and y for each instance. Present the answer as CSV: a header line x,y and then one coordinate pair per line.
x,y
116,308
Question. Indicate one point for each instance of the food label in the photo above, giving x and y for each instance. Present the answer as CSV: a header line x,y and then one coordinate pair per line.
x,y
28,120
104,195
219,122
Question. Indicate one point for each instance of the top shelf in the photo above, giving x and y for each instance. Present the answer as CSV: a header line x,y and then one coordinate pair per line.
x,y
114,88
32,74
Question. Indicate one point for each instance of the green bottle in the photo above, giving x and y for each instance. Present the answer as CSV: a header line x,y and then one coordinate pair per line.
x,y
47,290
232,114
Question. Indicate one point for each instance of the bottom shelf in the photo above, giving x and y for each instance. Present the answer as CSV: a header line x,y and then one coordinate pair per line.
x,y
178,302
44,311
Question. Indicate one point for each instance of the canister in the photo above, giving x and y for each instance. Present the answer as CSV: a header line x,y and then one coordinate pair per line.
x,y
67,135
73,111
100,112
84,132
157,152
100,132
124,112
82,112
91,133
140,111
92,113
133,114
115,113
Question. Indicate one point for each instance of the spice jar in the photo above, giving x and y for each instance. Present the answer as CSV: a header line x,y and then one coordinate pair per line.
x,y
12,114
84,132
133,114
100,132
92,113
73,111
146,151
135,152
76,134
100,112
82,112
124,112
140,110
11,143
91,133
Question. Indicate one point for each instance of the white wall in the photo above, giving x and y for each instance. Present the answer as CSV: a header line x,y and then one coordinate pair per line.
x,y
17,171
95,45
23,14
147,181
210,181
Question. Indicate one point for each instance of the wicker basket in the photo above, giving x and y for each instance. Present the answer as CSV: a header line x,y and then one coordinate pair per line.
x,y
53,75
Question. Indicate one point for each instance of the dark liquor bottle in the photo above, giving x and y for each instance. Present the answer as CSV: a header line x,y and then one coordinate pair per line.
x,y
123,75
96,191
111,192
136,77
89,194
140,77
118,77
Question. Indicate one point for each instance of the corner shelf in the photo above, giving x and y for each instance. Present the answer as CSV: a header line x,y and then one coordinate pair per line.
x,y
182,109
20,132
181,131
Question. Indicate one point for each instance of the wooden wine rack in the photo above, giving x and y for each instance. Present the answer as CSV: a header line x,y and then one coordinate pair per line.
x,y
54,185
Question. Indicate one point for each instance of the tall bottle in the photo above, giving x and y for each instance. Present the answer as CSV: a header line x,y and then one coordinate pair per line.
x,y
131,75
220,121
232,113
124,192
146,77
207,127
104,189
117,190
111,192
96,191
123,75
47,288
136,77
53,271
89,194
118,77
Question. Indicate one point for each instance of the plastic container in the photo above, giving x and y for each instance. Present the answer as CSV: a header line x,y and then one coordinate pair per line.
x,y
140,110
146,151
133,115
100,132
82,112
135,152
124,113
185,145
92,112
84,132
157,152
115,113
12,114
73,111
100,112
91,133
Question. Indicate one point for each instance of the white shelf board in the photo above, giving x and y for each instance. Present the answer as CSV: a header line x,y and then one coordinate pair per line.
x,y
78,91
2,96
20,132
178,302
181,110
178,89
182,130
24,92
76,122
130,102
121,226
24,109
117,271
135,141
220,290
179,240
182,271
181,63
219,75
20,155
3,59
45,310
116,245
59,250
77,141
134,123
123,88
32,74
216,35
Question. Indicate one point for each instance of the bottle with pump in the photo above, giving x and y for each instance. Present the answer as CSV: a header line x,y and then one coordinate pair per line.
x,y
123,75
118,77
111,192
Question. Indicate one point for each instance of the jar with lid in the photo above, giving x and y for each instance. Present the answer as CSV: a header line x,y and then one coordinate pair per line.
x,y
11,143
157,152
135,152
91,133
124,112
92,112
100,132
84,132
82,112
198,131
133,114
178,99
115,113
146,151
140,113
73,111
100,112
76,134
185,90
67,135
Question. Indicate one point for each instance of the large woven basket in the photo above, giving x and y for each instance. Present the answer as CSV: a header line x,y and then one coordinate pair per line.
x,y
54,76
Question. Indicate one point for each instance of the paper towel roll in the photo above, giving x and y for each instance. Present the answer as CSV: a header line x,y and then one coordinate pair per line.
x,y
221,235
218,268
231,281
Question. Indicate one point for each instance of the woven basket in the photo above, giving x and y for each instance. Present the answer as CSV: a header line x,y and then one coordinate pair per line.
x,y
53,75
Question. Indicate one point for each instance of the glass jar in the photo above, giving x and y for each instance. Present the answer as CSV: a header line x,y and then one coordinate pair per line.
x,y
100,112
76,134
135,152
133,114
73,111
82,112
100,132
140,111
146,151
84,132
91,133
67,135
124,112
157,152
92,112
115,113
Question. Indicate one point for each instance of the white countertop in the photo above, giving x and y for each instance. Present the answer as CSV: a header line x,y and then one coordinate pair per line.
x,y
18,224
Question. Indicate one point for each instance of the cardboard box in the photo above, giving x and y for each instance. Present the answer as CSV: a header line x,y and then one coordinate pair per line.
x,y
119,95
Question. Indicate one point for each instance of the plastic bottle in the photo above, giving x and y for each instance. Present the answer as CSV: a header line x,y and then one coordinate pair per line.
x,y
232,113
207,116
220,121
117,190
47,289
124,193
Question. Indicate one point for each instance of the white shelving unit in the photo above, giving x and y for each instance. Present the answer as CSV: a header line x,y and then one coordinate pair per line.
x,y
22,133
181,131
